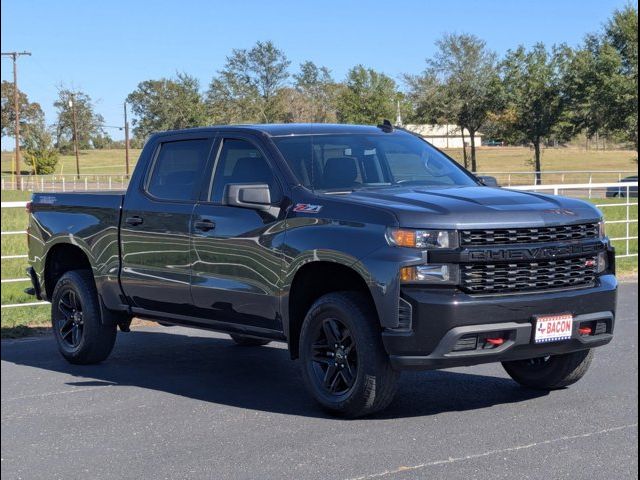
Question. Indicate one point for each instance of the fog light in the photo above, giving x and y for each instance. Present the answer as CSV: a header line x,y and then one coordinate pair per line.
x,y
434,274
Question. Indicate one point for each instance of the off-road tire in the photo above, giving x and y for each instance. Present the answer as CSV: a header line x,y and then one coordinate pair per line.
x,y
550,373
96,339
374,384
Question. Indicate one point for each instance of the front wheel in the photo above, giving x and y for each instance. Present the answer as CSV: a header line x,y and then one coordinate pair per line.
x,y
551,372
76,320
344,364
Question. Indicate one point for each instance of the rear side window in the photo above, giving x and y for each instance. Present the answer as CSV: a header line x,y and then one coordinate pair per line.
x,y
178,169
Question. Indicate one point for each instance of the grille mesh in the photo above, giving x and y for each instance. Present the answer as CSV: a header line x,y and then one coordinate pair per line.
x,y
521,277
508,236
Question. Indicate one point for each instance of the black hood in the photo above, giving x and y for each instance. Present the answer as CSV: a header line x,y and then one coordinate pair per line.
x,y
475,207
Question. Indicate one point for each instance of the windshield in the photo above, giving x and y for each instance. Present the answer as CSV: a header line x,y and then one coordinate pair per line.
x,y
353,161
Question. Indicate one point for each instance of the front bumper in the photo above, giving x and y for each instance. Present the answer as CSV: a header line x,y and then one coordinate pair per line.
x,y
440,318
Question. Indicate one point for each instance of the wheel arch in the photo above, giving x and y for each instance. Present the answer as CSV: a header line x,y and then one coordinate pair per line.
x,y
62,258
311,281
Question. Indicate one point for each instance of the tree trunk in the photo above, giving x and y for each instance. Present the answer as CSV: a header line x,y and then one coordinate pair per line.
x,y
474,165
536,146
464,150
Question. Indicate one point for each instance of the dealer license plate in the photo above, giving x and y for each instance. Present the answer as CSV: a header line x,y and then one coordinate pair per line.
x,y
552,328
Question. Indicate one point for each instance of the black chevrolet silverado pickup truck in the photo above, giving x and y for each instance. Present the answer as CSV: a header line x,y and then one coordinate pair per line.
x,y
365,249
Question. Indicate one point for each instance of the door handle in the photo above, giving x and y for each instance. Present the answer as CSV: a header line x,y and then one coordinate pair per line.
x,y
204,225
133,221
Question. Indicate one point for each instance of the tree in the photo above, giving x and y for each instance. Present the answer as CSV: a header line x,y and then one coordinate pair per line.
x,y
426,97
167,104
316,91
102,141
38,149
462,82
29,112
246,89
532,82
622,33
593,88
88,122
601,85
367,97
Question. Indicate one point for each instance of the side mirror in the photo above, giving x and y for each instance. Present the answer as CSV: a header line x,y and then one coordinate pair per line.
x,y
487,180
254,196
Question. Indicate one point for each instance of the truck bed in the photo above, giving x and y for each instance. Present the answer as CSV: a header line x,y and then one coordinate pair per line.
x,y
88,220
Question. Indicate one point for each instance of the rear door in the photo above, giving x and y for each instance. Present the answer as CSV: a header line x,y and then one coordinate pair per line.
x,y
156,225
237,259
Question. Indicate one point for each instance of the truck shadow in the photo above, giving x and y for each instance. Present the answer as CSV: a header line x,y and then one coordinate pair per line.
x,y
215,370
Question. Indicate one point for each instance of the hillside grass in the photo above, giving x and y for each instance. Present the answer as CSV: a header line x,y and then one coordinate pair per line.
x,y
91,162
490,159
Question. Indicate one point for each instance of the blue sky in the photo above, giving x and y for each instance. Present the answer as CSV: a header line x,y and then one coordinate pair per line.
x,y
106,47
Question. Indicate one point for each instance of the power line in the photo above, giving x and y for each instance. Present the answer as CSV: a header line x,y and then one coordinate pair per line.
x,y
14,56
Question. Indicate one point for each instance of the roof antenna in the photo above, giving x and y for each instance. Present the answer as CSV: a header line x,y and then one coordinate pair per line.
x,y
386,126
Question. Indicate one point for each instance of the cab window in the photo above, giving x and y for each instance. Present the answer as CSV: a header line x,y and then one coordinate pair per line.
x,y
178,169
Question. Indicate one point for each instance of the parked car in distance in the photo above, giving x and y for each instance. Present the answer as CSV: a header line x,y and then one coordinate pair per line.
x,y
621,191
493,143
365,249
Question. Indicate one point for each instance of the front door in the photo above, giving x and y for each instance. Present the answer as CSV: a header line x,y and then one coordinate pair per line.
x,y
236,258
156,226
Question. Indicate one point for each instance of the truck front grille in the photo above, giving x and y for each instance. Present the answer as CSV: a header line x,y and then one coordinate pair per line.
x,y
507,236
522,277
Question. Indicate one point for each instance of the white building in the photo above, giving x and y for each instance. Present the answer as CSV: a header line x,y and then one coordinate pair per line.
x,y
445,136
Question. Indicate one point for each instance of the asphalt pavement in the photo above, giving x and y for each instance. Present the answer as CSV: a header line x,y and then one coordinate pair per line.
x,y
178,403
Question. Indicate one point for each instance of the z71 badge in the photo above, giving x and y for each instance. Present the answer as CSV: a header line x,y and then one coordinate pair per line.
x,y
307,208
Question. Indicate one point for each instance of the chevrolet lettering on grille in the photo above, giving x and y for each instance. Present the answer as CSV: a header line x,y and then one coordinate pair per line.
x,y
535,253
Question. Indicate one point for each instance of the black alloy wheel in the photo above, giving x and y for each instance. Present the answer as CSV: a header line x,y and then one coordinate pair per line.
x,y
334,359
70,323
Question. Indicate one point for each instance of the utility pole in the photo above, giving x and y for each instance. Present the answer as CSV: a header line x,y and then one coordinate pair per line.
x,y
126,141
72,104
14,56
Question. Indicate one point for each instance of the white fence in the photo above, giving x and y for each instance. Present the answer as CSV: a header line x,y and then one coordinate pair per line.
x,y
508,179
621,192
87,182
65,183
623,198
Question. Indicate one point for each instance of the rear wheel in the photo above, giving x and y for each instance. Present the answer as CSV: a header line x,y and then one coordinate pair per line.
x,y
551,372
77,322
344,364
248,341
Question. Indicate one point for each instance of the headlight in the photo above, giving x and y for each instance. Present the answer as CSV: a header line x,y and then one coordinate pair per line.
x,y
423,239
601,229
434,274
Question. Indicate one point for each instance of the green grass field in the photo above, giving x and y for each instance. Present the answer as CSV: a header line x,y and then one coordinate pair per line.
x,y
91,162
14,319
490,159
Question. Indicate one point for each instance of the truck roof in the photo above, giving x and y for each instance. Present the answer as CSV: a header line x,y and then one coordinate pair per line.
x,y
288,129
